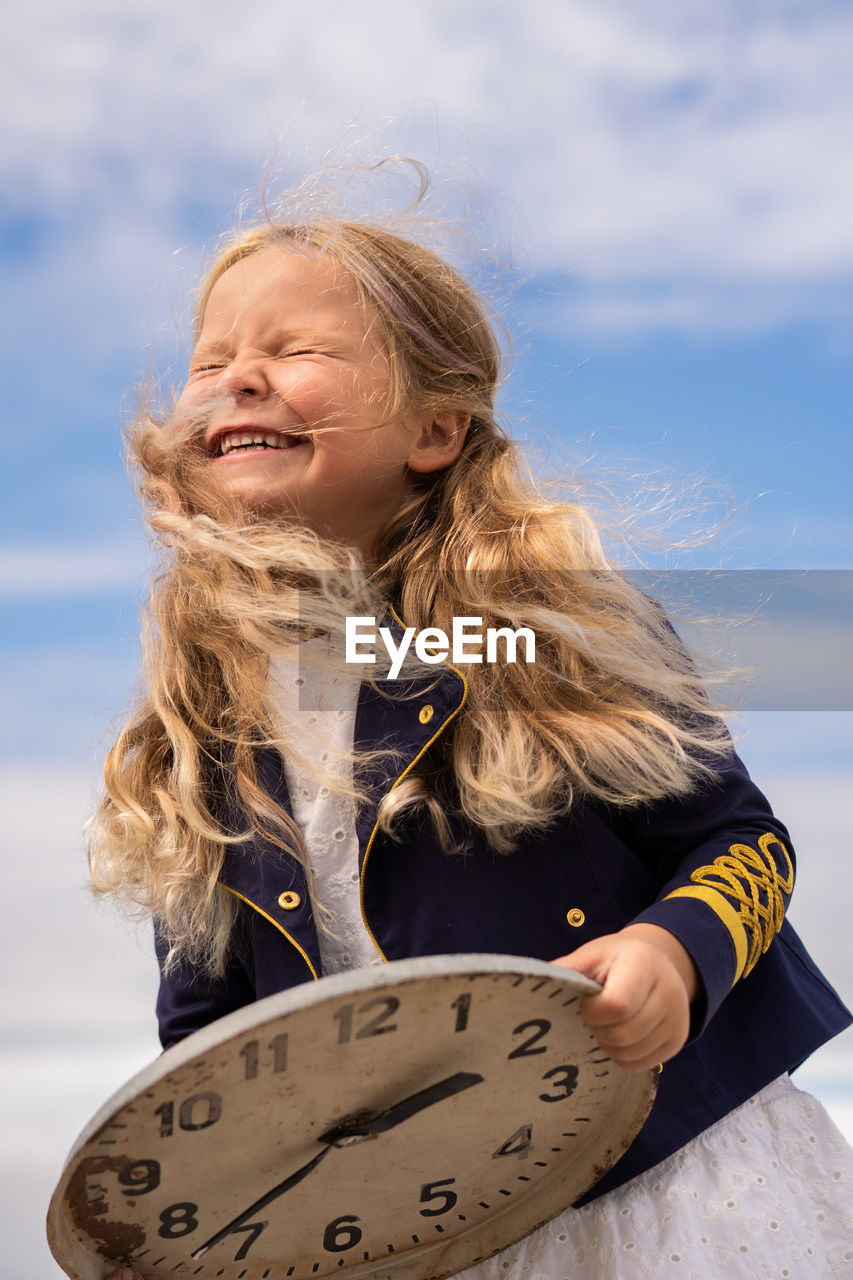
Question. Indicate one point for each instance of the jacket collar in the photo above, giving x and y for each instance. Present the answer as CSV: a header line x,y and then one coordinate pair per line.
x,y
399,717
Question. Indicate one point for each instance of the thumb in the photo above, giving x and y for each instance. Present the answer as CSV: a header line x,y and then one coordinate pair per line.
x,y
592,960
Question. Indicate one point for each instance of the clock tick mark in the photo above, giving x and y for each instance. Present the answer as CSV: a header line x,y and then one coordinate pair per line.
x,y
439,1227
390,1248
556,1150
291,1271
570,1135
461,1217
159,1260
416,1239
571,1000
541,1164
367,1257
316,1266
539,985
483,1205
503,1191
522,1177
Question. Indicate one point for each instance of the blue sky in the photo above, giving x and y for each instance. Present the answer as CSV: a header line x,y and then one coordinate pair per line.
x,y
665,190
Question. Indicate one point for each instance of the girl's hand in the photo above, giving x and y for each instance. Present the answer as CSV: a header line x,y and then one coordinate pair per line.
x,y
642,1017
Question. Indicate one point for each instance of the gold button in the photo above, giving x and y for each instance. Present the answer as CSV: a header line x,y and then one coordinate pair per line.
x,y
575,917
289,901
425,714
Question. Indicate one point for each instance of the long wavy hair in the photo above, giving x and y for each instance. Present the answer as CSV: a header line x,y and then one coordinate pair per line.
x,y
613,710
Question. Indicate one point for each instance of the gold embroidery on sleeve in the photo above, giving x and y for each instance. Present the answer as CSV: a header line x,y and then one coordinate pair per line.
x,y
754,882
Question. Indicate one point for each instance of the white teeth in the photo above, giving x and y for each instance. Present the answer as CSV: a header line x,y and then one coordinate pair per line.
x,y
255,439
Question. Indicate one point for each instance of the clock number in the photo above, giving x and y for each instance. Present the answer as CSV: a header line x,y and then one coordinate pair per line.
x,y
140,1177
278,1044
388,1006
344,1017
211,1106
178,1220
253,1229
568,1084
433,1191
517,1144
341,1233
251,1052
167,1119
189,1117
524,1050
462,1005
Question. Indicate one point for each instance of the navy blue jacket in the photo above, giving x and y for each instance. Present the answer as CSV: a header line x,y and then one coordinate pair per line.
x,y
716,869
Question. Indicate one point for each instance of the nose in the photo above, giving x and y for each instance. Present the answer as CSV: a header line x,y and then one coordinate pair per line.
x,y
244,376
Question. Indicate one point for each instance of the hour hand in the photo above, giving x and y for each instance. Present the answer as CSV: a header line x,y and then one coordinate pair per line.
x,y
403,1110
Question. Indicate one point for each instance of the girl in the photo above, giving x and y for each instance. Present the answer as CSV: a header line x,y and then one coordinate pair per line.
x,y
335,453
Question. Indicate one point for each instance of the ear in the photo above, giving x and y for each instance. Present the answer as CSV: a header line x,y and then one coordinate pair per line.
x,y
440,441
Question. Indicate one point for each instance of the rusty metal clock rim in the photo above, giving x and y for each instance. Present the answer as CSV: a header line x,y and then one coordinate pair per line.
x,y
307,997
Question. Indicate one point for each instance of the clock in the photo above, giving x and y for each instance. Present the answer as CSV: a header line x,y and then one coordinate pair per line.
x,y
402,1121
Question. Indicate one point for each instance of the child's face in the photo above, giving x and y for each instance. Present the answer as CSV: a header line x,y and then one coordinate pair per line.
x,y
285,346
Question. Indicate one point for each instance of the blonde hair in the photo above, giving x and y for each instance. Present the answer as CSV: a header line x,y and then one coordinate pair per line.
x,y
613,710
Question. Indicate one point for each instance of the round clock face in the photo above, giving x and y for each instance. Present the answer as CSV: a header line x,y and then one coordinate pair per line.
x,y
403,1121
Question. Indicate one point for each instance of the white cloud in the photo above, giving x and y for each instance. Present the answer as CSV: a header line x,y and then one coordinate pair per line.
x,y
696,145
63,570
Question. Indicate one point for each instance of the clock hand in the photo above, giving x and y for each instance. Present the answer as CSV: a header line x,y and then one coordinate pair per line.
x,y
262,1203
338,1136
402,1110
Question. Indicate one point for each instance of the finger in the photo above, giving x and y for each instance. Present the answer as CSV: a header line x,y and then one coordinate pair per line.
x,y
648,1022
662,1041
651,1053
626,997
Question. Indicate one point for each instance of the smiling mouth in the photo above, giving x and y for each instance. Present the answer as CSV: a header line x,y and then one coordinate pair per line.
x,y
253,442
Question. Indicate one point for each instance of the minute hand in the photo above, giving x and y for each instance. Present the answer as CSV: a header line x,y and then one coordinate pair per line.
x,y
338,1135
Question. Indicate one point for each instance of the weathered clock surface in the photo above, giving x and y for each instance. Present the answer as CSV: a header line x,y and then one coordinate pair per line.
x,y
405,1121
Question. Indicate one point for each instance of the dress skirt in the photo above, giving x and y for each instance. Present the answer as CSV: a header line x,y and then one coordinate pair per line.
x,y
765,1192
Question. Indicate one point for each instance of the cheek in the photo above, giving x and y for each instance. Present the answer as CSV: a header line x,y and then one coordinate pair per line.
x,y
373,456
195,397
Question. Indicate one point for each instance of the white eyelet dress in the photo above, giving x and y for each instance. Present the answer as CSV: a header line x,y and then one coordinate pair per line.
x,y
767,1192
